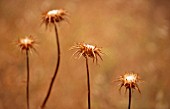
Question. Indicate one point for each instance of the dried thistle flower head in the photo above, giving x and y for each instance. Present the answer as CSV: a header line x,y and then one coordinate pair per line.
x,y
26,43
87,50
130,80
54,16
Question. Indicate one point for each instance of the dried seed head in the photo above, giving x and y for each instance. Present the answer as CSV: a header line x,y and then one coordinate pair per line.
x,y
130,80
87,50
53,16
26,43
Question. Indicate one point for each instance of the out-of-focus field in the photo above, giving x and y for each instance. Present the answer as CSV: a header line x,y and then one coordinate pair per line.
x,y
134,34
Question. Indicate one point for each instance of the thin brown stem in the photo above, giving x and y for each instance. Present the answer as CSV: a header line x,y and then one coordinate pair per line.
x,y
56,70
88,83
28,78
130,92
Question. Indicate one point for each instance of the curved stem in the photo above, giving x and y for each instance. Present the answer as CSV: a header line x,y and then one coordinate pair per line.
x,y
28,77
88,83
56,70
129,98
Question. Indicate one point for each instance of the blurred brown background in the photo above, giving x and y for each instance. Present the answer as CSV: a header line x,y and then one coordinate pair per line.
x,y
134,34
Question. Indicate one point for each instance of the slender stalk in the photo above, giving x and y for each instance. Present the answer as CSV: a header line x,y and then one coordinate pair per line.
x,y
88,83
56,70
28,78
130,92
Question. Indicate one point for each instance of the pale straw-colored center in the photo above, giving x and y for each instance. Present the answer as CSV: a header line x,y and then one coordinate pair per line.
x,y
26,41
89,46
53,12
131,78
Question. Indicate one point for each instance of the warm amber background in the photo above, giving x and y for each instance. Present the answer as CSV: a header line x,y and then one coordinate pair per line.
x,y
134,34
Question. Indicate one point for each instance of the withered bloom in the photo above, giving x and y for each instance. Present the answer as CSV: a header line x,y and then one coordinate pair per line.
x,y
130,80
26,43
54,16
87,50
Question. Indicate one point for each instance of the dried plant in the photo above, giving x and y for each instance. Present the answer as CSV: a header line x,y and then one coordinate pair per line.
x,y
26,44
129,81
52,18
91,51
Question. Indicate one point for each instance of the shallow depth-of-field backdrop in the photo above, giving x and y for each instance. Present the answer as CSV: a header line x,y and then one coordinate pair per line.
x,y
134,34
